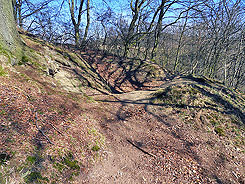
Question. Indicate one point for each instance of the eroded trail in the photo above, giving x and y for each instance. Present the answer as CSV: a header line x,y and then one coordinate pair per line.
x,y
144,96
168,159
150,143
144,143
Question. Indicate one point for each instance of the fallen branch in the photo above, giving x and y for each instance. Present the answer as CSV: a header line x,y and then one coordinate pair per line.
x,y
141,149
55,128
41,130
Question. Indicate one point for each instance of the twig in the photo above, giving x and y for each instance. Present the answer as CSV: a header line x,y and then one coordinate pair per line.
x,y
56,128
140,148
41,130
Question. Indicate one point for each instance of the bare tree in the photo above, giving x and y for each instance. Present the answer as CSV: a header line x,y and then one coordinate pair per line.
x,y
26,8
77,21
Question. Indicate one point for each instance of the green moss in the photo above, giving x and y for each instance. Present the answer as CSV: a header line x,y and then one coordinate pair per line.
x,y
214,122
97,141
92,131
236,121
32,57
2,112
193,91
220,131
31,159
39,66
24,59
59,166
73,164
6,53
40,112
95,148
171,95
67,164
35,177
2,72
9,140
67,160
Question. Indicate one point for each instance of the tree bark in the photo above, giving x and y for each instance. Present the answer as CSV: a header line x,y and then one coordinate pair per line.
x,y
87,26
9,39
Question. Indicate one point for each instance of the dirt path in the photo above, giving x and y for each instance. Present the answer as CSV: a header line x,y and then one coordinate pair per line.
x,y
126,163
142,146
150,143
145,95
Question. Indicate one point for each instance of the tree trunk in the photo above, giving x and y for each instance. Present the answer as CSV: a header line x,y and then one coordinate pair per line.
x,y
75,23
77,35
87,26
180,43
19,12
9,39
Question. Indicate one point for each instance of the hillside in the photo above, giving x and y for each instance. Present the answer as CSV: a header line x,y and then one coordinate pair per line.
x,y
90,117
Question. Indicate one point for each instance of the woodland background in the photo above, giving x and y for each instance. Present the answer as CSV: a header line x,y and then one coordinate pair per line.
x,y
183,36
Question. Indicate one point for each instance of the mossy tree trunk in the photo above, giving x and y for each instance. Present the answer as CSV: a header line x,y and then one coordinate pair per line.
x,y
9,39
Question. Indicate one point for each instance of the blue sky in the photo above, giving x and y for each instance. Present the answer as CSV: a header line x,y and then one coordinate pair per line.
x,y
118,6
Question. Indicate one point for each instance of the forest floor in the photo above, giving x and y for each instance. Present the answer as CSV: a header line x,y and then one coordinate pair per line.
x,y
174,130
